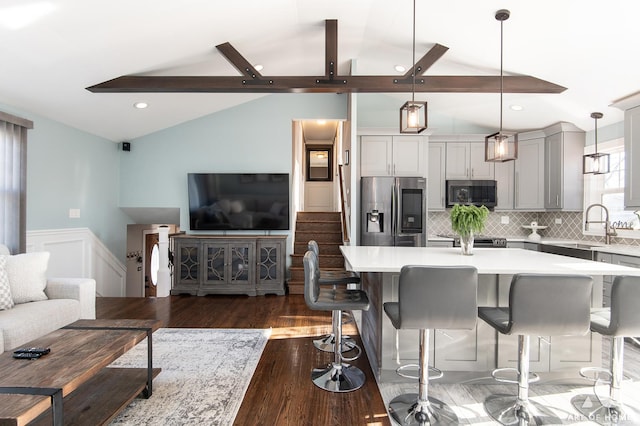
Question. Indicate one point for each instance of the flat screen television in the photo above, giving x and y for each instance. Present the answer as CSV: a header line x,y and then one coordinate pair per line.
x,y
238,201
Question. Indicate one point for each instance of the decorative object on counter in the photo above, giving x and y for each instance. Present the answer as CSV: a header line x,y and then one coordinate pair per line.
x,y
534,236
598,162
413,114
467,220
501,147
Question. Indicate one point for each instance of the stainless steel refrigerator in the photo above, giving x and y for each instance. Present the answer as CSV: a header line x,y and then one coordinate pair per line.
x,y
393,211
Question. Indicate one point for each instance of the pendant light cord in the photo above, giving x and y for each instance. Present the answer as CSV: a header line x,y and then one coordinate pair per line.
x,y
596,134
413,58
501,74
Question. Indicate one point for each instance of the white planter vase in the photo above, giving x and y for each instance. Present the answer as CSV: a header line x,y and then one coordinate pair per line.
x,y
466,244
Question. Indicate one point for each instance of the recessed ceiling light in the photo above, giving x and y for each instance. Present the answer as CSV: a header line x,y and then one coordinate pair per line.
x,y
400,68
516,107
140,105
258,67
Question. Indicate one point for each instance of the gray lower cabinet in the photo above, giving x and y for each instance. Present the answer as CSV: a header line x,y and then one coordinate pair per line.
x,y
607,280
251,265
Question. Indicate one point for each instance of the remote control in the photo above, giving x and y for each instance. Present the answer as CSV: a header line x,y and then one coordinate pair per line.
x,y
40,351
26,355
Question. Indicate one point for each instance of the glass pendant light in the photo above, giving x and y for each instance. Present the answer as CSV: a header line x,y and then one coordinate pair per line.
x,y
500,147
413,114
596,163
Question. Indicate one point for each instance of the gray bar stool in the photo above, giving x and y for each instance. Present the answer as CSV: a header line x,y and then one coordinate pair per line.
x,y
539,305
431,297
620,321
333,278
338,376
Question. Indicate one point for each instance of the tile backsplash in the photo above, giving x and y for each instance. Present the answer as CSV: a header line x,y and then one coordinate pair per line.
x,y
570,228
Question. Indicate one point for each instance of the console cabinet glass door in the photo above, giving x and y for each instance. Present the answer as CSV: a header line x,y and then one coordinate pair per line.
x,y
270,267
228,266
188,264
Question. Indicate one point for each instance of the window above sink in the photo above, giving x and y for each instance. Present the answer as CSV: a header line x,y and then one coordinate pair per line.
x,y
608,189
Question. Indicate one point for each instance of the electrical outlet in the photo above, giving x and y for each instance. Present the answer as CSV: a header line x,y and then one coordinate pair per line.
x,y
74,213
558,221
504,220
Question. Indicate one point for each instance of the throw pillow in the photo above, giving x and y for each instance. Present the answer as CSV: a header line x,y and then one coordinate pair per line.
x,y
6,301
28,276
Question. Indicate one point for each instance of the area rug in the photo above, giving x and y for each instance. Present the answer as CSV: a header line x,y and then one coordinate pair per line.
x,y
205,374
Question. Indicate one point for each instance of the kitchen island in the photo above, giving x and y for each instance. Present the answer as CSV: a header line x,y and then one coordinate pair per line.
x,y
471,354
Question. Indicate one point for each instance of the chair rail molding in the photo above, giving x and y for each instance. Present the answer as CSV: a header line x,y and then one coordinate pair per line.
x,y
77,252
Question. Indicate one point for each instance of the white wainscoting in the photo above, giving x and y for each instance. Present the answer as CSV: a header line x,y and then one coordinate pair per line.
x,y
78,253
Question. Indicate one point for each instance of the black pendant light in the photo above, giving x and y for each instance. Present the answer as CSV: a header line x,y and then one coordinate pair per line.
x,y
500,147
596,163
413,114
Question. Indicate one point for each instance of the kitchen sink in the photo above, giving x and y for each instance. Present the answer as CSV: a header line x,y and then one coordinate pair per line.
x,y
579,250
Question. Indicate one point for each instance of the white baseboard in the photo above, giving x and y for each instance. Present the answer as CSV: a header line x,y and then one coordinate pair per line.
x,y
77,252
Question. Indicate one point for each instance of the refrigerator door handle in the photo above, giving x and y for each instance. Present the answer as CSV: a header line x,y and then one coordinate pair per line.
x,y
395,208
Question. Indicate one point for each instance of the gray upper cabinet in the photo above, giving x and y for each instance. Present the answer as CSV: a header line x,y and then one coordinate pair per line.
x,y
563,178
505,182
388,155
465,160
529,174
631,107
632,158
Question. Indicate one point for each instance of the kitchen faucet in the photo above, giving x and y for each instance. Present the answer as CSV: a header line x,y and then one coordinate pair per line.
x,y
608,231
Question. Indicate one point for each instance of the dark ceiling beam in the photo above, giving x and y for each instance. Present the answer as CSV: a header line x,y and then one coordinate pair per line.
x,y
426,61
331,48
238,61
254,82
341,84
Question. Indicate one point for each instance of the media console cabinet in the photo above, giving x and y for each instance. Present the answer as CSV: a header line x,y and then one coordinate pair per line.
x,y
229,264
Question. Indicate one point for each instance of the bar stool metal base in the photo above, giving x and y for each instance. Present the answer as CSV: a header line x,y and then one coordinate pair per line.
x,y
327,343
405,410
508,410
338,377
594,410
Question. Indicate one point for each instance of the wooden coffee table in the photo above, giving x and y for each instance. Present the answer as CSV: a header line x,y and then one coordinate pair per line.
x,y
72,384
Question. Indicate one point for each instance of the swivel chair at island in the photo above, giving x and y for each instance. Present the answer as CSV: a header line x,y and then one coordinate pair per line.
x,y
539,305
338,376
430,297
621,320
333,277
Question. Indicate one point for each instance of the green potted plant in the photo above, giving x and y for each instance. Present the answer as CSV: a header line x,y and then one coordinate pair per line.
x,y
467,220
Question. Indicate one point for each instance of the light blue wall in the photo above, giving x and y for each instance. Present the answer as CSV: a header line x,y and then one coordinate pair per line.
x,y
252,137
68,168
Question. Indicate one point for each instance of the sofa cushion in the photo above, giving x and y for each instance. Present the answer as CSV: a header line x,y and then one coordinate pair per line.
x,y
29,321
6,301
28,276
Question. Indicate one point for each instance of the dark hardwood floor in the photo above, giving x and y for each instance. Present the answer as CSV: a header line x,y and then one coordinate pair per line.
x,y
281,391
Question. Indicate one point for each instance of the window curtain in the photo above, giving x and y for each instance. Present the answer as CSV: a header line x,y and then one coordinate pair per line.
x,y
13,181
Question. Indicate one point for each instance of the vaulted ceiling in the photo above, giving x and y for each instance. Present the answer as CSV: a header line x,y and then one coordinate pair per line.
x,y
53,50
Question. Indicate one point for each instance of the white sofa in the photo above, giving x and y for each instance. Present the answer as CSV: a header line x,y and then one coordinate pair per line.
x,y
70,299
66,301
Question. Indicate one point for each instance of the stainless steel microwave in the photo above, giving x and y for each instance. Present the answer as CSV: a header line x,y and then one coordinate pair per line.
x,y
476,192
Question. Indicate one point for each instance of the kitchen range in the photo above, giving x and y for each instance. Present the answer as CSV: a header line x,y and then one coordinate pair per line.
x,y
479,240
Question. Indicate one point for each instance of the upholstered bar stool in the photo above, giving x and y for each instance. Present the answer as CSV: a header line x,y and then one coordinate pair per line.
x,y
539,305
430,297
333,278
338,376
621,320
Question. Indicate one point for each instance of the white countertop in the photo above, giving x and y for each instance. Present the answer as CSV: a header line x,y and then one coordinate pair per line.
x,y
506,261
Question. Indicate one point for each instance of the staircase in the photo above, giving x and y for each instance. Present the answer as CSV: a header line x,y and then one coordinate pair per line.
x,y
326,229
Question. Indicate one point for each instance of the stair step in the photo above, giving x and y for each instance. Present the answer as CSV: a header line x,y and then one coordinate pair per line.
x,y
325,261
320,237
318,226
325,248
325,216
